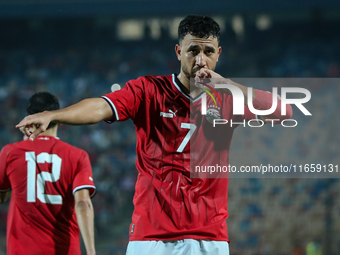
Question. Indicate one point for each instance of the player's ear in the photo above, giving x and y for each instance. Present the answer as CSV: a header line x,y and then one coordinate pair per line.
x,y
219,52
178,51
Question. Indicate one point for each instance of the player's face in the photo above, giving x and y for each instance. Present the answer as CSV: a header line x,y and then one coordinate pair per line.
x,y
196,53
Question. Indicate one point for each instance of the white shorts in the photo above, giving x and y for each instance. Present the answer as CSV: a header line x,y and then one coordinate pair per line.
x,y
178,247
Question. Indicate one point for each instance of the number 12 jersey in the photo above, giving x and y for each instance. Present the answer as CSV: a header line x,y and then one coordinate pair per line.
x,y
43,175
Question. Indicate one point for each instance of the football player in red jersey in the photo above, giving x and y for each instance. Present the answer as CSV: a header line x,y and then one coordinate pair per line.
x,y
173,213
50,183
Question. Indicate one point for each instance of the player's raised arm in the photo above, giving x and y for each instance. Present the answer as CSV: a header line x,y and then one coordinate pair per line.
x,y
261,100
85,218
205,73
87,111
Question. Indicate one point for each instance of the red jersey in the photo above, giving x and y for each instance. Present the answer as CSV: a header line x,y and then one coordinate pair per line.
x,y
43,175
172,136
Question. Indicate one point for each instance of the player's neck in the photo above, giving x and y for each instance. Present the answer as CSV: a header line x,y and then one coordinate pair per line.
x,y
184,80
50,132
186,83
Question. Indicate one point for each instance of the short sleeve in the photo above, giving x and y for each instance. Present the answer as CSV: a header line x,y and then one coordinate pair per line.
x,y
5,184
125,102
264,101
83,178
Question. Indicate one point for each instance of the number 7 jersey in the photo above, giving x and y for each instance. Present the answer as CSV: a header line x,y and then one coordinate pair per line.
x,y
43,175
168,203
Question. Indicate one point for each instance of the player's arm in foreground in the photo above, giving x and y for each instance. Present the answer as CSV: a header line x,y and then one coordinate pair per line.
x,y
85,218
204,73
87,111
261,99
4,195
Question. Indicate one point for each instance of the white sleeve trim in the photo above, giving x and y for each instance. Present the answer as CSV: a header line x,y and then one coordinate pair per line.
x,y
84,187
257,119
112,106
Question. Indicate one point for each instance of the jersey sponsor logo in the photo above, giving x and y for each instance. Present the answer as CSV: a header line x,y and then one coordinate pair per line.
x,y
169,114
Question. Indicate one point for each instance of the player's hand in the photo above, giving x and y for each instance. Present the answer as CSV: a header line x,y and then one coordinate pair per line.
x,y
206,79
205,73
35,124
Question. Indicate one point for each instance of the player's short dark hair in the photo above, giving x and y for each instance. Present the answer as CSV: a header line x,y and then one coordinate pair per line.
x,y
43,101
199,26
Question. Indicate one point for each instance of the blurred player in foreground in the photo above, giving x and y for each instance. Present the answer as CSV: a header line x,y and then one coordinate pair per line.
x,y
174,214
51,184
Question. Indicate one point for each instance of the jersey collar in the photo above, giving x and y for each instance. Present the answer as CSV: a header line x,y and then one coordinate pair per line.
x,y
46,137
183,90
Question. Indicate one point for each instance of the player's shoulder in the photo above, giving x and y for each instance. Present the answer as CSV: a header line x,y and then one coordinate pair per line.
x,y
151,79
71,152
71,149
8,148
158,78
152,85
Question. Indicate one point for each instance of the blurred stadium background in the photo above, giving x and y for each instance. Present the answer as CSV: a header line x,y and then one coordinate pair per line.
x,y
78,49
